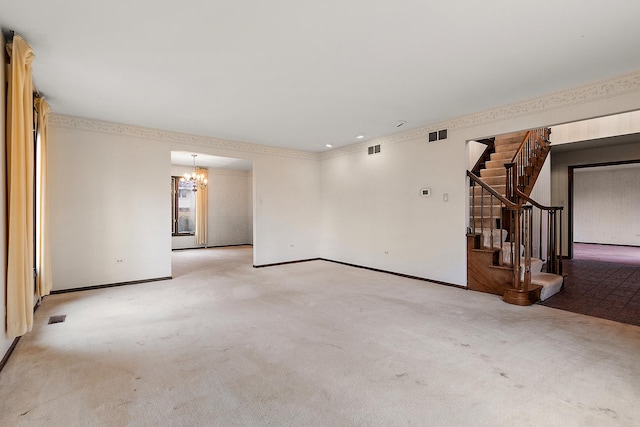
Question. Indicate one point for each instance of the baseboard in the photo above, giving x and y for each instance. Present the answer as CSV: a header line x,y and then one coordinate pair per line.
x,y
211,247
109,285
5,359
608,244
408,276
13,345
285,262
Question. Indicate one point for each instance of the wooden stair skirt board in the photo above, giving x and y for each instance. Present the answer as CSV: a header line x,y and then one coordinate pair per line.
x,y
484,272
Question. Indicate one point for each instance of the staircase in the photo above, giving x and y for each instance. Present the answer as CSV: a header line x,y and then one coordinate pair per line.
x,y
494,173
499,243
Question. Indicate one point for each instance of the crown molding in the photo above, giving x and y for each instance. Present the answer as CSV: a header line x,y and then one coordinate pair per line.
x,y
604,89
92,125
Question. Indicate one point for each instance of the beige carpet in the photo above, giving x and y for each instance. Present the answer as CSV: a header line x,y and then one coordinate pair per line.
x,y
315,343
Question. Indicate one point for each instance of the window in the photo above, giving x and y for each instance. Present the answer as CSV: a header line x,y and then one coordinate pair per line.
x,y
183,202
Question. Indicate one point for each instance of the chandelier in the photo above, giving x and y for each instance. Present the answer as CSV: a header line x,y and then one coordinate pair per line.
x,y
195,179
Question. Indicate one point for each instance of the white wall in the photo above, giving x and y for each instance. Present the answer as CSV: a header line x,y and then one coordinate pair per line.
x,y
250,192
286,210
475,151
286,198
5,342
371,204
110,208
348,206
560,162
110,201
374,215
606,202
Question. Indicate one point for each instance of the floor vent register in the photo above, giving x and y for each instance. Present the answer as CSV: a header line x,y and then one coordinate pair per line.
x,y
57,319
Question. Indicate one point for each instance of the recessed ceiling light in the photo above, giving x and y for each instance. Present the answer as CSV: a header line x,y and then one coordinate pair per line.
x,y
360,135
328,145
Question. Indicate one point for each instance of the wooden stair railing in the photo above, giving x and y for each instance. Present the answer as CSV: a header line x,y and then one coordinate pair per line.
x,y
553,255
491,212
528,160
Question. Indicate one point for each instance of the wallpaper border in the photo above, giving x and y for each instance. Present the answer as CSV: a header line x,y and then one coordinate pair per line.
x,y
620,85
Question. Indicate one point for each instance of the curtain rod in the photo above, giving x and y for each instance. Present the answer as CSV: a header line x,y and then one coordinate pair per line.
x,y
8,35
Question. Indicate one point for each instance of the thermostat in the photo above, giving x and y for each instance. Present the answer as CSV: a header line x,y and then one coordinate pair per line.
x,y
425,192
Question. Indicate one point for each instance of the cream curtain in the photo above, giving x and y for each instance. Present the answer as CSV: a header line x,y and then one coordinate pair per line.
x,y
19,280
201,209
43,280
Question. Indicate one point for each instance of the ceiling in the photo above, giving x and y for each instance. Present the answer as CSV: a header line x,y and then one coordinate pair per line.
x,y
632,138
184,158
301,74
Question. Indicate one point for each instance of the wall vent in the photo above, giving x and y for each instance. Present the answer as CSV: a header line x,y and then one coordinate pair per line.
x,y
374,149
438,135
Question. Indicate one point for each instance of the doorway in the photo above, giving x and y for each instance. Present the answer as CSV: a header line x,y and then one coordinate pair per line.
x,y
603,269
604,200
228,203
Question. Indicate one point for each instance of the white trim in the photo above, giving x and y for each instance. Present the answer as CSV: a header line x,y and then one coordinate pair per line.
x,y
93,125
